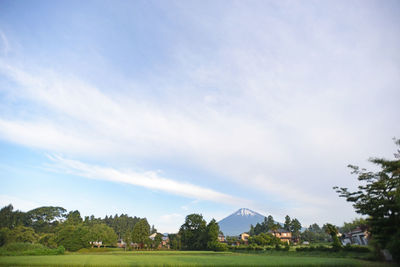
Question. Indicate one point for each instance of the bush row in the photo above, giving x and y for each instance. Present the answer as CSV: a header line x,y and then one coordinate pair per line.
x,y
253,247
16,249
350,248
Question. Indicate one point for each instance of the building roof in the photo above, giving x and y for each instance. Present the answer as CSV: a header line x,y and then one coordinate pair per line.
x,y
279,231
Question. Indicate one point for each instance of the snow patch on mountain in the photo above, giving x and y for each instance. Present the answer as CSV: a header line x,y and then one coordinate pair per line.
x,y
245,212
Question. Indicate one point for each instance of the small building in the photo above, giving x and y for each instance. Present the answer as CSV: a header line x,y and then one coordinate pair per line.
x,y
121,243
244,237
221,238
165,241
282,234
356,237
96,243
153,236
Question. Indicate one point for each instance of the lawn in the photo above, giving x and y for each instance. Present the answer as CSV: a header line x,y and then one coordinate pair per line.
x,y
179,258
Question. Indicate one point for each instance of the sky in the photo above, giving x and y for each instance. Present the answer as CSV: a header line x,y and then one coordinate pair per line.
x,y
160,109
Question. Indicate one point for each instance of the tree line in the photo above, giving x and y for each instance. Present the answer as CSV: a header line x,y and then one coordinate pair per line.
x,y
53,227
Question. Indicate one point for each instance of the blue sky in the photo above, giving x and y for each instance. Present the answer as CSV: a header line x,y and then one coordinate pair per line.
x,y
159,109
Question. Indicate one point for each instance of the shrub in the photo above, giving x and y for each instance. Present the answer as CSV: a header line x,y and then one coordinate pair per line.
x,y
287,247
217,246
48,240
356,248
73,237
15,249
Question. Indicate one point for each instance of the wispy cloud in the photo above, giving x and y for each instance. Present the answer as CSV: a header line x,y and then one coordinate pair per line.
x,y
149,179
4,43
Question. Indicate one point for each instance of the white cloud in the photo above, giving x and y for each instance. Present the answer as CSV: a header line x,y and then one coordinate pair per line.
x,y
149,179
18,203
4,43
170,222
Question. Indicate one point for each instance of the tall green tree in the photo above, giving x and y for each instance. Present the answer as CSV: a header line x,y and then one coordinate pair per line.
x,y
193,233
21,234
174,241
378,197
295,227
314,233
157,240
45,219
212,232
332,230
141,232
269,223
73,237
287,224
102,233
10,218
74,218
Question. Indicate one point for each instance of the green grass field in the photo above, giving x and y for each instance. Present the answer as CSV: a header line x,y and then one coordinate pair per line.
x,y
181,258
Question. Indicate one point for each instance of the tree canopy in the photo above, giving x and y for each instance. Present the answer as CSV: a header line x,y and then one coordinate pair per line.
x,y
196,234
378,197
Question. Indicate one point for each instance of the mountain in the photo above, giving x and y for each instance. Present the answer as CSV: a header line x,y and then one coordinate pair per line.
x,y
239,222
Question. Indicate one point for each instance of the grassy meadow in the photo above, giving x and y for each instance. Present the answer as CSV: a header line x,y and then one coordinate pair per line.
x,y
183,258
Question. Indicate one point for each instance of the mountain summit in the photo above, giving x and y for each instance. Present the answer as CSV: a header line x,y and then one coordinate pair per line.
x,y
246,212
240,221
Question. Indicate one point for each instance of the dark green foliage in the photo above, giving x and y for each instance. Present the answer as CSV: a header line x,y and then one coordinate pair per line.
x,y
333,232
45,225
101,232
15,249
217,246
157,239
314,233
73,237
4,234
193,233
295,227
74,218
378,197
141,233
10,218
48,240
287,223
267,225
45,219
22,234
287,247
122,225
212,232
264,239
174,241
356,248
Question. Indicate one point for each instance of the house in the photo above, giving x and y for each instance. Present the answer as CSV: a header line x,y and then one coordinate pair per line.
x,y
357,237
165,241
221,238
96,243
121,243
244,237
282,234
153,236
